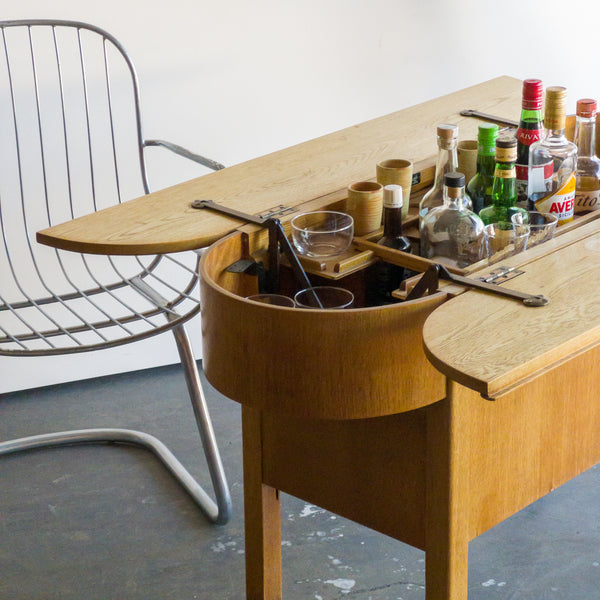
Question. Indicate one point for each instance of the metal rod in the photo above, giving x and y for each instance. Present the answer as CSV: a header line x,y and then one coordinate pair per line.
x,y
469,112
276,234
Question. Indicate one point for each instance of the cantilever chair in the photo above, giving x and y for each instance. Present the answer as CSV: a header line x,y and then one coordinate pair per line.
x,y
72,143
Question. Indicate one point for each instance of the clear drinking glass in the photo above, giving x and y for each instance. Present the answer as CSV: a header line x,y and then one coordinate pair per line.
x,y
328,296
541,226
505,239
272,299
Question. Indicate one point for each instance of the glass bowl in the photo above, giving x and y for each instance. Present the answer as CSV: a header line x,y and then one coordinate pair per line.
x,y
541,226
322,233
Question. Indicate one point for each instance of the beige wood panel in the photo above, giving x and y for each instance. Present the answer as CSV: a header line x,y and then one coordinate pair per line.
x,y
330,364
164,221
368,470
530,441
493,344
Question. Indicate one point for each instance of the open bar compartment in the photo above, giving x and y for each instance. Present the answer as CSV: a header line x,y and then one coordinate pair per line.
x,y
343,409
312,363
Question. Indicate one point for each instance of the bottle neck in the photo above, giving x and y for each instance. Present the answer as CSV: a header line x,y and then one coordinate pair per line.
x,y
447,160
585,136
504,189
555,121
392,222
529,115
485,160
454,197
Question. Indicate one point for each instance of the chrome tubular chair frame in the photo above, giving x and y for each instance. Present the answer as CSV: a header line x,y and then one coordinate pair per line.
x,y
72,131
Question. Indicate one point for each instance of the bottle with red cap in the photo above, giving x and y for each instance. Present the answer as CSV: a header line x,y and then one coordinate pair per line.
x,y
587,187
553,190
531,129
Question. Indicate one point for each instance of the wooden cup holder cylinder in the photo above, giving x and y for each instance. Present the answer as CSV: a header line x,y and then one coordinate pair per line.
x,y
325,364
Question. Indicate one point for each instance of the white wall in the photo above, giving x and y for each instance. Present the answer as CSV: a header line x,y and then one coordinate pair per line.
x,y
236,79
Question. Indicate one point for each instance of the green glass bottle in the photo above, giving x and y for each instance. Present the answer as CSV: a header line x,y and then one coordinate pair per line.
x,y
504,187
480,186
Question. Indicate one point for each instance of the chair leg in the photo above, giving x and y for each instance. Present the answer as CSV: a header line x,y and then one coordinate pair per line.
x,y
209,443
218,512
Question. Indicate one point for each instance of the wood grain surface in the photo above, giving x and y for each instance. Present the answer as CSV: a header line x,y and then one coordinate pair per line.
x,y
165,222
492,344
325,364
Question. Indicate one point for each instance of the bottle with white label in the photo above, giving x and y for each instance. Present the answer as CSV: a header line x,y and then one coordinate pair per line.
x,y
553,190
587,189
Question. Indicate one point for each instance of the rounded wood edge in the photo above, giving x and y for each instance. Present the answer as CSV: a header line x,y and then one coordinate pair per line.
x,y
339,364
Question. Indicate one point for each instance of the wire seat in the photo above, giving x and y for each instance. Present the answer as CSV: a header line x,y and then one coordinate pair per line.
x,y
72,144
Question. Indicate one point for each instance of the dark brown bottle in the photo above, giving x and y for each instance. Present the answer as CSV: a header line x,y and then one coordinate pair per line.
x,y
388,277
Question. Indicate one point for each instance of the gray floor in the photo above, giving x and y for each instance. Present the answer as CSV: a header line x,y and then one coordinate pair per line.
x,y
108,523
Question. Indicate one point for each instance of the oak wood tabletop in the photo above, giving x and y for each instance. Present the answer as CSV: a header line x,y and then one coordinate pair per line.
x,y
492,344
164,221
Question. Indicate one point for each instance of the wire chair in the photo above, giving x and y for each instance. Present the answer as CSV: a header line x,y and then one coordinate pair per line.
x,y
71,144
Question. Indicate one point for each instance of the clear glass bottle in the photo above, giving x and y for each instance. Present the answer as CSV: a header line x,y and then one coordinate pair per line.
x,y
531,129
553,162
447,162
504,186
480,186
452,234
388,276
587,188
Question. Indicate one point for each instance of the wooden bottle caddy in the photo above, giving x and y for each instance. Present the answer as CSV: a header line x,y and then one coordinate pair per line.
x,y
376,413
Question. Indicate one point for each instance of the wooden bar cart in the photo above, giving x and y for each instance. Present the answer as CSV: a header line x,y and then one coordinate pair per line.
x,y
429,420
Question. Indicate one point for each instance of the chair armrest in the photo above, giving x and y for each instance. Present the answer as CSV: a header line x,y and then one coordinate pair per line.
x,y
207,162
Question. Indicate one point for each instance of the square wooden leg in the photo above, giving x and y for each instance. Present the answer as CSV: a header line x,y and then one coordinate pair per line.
x,y
262,515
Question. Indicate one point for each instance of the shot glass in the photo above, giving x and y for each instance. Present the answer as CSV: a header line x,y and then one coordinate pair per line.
x,y
365,206
397,171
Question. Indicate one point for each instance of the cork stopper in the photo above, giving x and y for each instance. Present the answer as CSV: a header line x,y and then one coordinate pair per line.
x,y
586,107
506,149
556,107
454,183
447,132
532,94
392,196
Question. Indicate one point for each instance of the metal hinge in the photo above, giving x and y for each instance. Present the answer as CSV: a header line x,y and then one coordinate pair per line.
x,y
277,211
501,274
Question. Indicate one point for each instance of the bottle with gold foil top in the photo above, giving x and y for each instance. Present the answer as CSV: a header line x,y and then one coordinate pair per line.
x,y
587,189
553,193
504,186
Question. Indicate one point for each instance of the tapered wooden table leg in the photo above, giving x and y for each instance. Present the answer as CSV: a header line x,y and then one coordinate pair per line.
x,y
447,514
262,515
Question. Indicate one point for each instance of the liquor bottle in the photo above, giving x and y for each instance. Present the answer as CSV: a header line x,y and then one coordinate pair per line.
x,y
388,276
447,162
504,187
531,129
587,188
480,187
553,191
452,234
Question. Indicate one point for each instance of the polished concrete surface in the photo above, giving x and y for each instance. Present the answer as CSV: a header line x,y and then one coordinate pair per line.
x,y
107,522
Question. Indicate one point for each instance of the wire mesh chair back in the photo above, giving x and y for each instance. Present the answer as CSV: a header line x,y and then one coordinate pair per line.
x,y
72,144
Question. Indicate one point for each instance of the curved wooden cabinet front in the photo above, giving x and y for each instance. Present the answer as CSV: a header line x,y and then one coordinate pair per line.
x,y
328,364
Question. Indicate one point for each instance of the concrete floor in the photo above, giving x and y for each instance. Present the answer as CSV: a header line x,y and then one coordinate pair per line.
x,y
106,522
